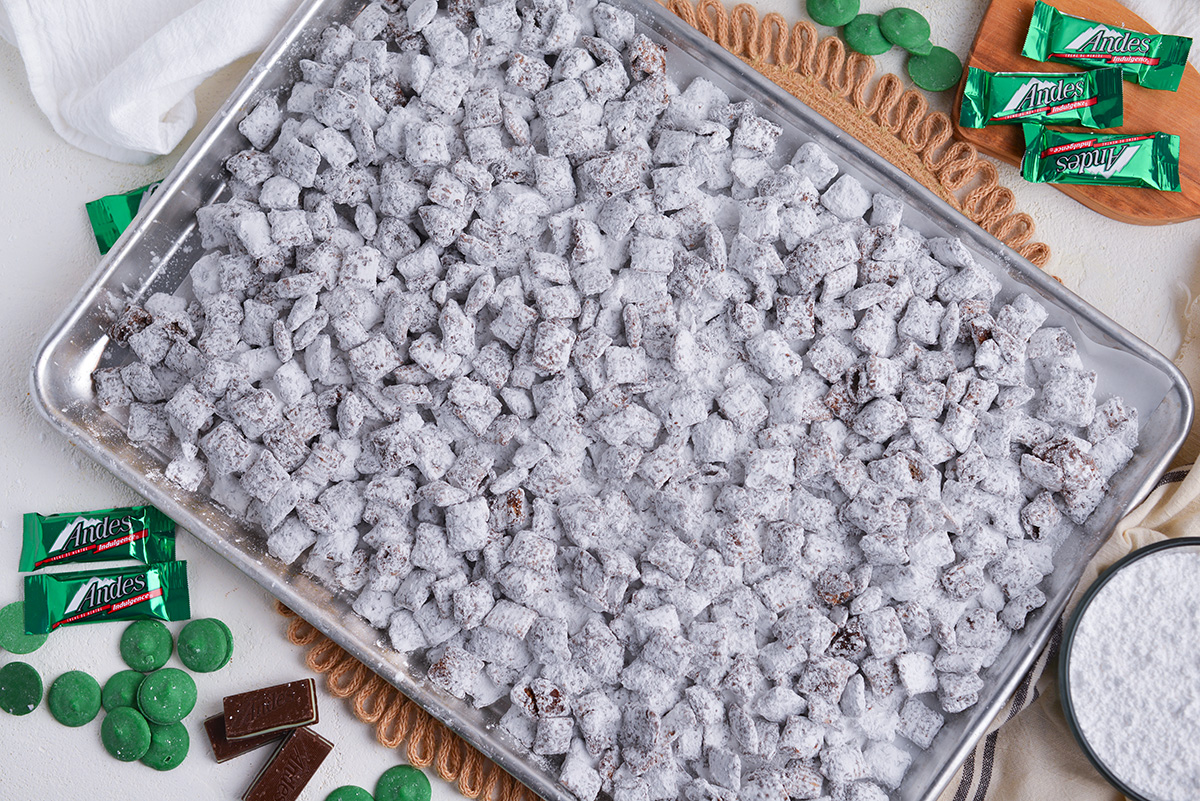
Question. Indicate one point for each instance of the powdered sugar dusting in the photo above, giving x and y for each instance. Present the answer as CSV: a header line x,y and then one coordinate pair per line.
x,y
1135,675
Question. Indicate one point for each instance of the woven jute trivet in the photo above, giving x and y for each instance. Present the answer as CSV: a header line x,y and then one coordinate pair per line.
x,y
893,122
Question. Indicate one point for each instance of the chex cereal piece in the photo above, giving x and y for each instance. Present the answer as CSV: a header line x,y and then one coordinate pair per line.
x,y
919,723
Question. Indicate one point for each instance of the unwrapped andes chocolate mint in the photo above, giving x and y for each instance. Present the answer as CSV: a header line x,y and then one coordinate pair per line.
x,y
225,749
282,706
294,764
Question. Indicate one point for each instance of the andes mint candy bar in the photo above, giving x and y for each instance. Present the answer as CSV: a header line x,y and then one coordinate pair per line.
x,y
283,706
112,214
1148,160
155,592
1155,61
106,535
284,777
1091,99
225,749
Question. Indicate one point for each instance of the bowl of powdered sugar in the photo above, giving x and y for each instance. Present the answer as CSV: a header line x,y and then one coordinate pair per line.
x,y
1130,672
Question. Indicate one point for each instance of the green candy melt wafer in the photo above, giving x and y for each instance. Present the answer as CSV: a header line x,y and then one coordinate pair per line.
x,y
205,645
1149,160
20,688
169,744
863,36
153,592
1156,61
105,535
904,27
12,631
121,689
921,48
74,699
349,792
146,645
167,696
403,783
125,734
834,13
937,71
1091,99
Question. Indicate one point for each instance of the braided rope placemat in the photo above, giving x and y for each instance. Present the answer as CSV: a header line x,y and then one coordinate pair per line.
x,y
894,122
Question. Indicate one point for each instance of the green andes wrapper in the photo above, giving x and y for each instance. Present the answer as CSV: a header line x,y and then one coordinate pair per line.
x,y
1091,99
1155,61
112,214
1147,160
156,592
106,535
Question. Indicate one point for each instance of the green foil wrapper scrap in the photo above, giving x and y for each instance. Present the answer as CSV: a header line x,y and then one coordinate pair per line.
x,y
1147,160
112,214
106,535
155,592
1091,99
1155,61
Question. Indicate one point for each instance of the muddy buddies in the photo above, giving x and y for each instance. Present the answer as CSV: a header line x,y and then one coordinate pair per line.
x,y
672,446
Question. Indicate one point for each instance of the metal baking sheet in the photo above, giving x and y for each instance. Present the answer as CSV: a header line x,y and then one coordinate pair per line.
x,y
158,250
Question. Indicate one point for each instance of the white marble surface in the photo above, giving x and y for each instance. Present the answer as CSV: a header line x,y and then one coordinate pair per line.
x,y
1137,275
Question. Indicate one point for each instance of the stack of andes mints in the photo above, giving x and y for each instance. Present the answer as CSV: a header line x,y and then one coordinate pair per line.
x,y
1091,99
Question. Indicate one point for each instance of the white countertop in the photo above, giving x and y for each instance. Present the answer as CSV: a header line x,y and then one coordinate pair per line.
x,y
1137,275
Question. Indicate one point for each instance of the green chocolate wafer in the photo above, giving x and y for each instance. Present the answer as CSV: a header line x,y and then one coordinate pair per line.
x,y
20,688
125,734
224,628
146,645
904,27
834,13
205,645
74,698
12,631
168,746
121,690
167,696
921,48
349,792
403,783
935,72
863,36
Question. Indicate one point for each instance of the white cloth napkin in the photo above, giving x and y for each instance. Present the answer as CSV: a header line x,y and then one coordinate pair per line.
x,y
118,77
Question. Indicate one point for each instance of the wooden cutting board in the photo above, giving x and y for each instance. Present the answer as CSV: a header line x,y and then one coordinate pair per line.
x,y
997,48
